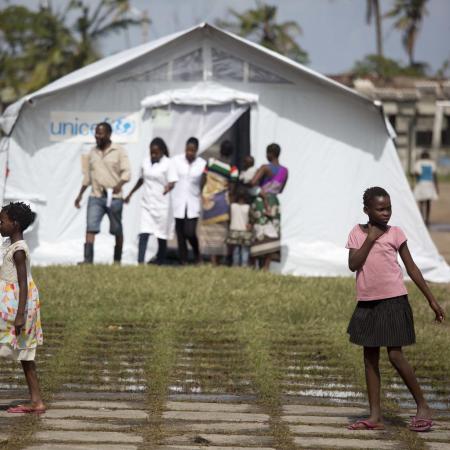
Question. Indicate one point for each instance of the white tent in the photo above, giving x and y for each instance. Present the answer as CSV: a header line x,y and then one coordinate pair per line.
x,y
199,82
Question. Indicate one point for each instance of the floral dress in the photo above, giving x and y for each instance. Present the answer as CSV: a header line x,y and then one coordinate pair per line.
x,y
23,347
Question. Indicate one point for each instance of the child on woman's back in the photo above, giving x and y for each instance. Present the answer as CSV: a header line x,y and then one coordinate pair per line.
x,y
248,172
240,233
20,323
383,316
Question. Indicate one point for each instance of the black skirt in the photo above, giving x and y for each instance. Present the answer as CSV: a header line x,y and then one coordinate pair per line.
x,y
382,323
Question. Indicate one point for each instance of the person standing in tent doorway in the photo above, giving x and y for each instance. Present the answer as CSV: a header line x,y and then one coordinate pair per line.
x,y
158,177
265,210
218,182
426,188
186,198
108,170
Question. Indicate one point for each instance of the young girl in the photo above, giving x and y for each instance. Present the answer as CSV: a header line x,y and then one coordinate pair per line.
x,y
240,234
20,322
383,316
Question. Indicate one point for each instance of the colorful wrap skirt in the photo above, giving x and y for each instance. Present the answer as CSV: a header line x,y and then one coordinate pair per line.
x,y
266,228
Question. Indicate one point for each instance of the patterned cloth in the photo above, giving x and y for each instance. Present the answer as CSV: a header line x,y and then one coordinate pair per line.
x,y
31,334
239,237
266,229
216,207
215,194
213,239
267,226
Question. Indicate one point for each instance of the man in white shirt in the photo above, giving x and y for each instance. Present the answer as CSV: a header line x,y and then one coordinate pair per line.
x,y
186,198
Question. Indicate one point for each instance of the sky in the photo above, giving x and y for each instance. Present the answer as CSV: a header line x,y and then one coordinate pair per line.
x,y
334,32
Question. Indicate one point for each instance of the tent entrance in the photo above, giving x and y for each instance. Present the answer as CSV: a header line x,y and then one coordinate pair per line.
x,y
209,112
239,135
210,125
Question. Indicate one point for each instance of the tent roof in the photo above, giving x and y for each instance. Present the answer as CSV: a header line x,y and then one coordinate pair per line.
x,y
105,65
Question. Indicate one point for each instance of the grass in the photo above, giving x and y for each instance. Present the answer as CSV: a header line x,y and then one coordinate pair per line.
x,y
146,315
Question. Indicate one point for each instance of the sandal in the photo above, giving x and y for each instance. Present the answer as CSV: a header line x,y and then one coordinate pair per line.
x,y
420,424
22,409
365,425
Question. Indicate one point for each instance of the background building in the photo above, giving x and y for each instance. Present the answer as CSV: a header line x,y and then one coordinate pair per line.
x,y
419,111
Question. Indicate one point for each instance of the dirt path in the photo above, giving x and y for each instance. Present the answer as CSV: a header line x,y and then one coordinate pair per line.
x,y
440,221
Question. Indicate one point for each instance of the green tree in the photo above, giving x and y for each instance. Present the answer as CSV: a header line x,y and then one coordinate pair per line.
x,y
386,68
260,24
96,22
37,47
409,15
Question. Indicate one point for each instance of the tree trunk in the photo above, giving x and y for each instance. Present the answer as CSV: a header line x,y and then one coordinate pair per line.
x,y
376,4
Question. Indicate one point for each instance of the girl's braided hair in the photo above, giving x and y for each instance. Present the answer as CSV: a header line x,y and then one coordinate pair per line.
x,y
21,213
371,193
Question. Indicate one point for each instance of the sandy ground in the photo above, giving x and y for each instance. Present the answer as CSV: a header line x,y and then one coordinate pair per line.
x,y
440,221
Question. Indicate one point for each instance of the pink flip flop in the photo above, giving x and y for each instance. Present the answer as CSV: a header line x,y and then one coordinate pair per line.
x,y
22,409
365,425
420,424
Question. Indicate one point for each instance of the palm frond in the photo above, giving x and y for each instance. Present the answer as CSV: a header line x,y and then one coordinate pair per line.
x,y
115,26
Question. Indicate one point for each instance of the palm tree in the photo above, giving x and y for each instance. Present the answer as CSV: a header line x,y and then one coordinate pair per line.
x,y
373,11
96,22
260,24
409,15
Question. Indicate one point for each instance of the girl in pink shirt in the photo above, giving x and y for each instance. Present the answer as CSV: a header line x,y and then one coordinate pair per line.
x,y
383,316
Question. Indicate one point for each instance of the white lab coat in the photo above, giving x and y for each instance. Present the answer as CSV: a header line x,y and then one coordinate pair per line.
x,y
186,195
156,213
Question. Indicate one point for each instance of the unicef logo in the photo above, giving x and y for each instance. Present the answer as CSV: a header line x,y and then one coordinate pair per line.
x,y
79,126
123,126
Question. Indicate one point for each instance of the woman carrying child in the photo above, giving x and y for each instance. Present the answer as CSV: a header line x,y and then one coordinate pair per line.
x,y
265,210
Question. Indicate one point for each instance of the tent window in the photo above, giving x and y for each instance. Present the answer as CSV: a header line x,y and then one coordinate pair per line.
x,y
157,74
259,75
188,67
226,66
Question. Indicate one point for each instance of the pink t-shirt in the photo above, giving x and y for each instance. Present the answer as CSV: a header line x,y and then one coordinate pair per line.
x,y
380,276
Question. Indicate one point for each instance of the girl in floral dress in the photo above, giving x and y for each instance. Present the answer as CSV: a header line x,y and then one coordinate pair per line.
x,y
20,323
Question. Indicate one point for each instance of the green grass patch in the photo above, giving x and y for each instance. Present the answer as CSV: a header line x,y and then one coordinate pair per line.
x,y
101,321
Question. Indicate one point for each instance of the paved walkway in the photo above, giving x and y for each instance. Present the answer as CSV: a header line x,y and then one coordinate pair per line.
x,y
213,402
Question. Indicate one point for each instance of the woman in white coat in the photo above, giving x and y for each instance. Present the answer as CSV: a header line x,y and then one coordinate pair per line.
x,y
158,176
